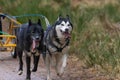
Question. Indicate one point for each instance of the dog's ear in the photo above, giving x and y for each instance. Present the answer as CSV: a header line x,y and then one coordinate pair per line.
x,y
39,21
60,16
67,16
30,22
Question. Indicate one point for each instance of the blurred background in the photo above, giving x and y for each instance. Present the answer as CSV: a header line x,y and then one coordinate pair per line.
x,y
96,34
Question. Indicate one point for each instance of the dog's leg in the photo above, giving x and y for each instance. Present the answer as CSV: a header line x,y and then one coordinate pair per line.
x,y
14,53
57,58
61,64
36,60
20,53
64,63
44,54
28,61
48,66
63,60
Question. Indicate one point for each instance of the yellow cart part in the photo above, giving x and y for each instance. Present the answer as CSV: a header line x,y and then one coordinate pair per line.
x,y
8,42
8,45
10,36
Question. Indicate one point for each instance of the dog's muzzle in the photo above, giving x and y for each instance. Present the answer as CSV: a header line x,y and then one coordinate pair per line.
x,y
66,33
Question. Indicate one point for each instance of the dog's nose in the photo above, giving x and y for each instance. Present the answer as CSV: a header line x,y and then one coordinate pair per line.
x,y
37,37
66,30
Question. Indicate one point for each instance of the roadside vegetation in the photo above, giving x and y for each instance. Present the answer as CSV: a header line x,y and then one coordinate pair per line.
x,y
96,34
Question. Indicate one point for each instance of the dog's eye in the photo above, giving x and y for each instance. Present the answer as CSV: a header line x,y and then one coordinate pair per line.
x,y
32,32
68,24
62,24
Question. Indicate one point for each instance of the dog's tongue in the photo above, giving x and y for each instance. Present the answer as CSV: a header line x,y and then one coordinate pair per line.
x,y
33,45
67,35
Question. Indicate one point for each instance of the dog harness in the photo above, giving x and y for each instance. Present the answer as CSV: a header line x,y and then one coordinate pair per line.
x,y
59,49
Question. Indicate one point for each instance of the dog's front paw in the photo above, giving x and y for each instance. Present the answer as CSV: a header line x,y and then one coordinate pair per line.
x,y
48,78
59,74
34,70
28,79
20,72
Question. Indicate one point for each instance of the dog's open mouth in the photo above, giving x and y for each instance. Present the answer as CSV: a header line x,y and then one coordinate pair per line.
x,y
35,44
67,35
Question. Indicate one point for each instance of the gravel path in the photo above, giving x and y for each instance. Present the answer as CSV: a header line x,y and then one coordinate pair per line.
x,y
74,70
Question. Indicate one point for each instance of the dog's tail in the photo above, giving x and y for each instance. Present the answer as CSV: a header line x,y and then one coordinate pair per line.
x,y
47,22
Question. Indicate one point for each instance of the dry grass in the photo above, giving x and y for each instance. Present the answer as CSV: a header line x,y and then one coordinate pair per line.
x,y
91,3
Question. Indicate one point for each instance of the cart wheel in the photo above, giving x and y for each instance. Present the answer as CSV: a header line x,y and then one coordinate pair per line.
x,y
14,54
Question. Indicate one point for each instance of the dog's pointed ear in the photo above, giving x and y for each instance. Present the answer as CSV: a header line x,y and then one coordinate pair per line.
x,y
60,16
39,21
30,22
67,16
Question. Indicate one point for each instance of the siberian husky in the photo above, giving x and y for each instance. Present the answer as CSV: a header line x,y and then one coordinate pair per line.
x,y
56,44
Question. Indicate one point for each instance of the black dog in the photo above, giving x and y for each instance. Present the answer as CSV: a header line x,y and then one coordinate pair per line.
x,y
29,41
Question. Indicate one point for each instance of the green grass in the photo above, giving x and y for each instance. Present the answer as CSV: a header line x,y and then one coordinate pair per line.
x,y
91,42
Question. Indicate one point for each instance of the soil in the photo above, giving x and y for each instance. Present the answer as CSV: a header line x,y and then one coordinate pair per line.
x,y
75,70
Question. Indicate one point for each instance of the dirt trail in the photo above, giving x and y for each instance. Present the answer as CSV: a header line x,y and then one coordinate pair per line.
x,y
74,70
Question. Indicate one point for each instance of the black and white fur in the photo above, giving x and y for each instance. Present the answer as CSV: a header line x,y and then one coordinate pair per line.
x,y
29,41
56,42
